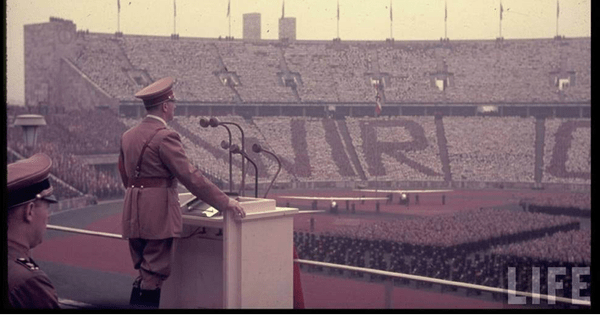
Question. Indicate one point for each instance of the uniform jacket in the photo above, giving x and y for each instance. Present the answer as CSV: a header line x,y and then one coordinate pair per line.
x,y
28,286
154,213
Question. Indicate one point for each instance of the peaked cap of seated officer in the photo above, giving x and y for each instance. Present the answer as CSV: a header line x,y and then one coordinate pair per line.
x,y
28,180
157,92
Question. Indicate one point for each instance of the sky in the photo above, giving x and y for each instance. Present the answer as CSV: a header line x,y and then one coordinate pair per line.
x,y
315,20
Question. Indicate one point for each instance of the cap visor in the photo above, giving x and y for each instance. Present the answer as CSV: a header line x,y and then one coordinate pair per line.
x,y
50,198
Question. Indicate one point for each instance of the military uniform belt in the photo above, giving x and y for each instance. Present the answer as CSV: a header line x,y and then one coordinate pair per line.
x,y
142,182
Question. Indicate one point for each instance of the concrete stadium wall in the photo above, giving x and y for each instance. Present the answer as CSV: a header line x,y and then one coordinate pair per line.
x,y
81,92
49,79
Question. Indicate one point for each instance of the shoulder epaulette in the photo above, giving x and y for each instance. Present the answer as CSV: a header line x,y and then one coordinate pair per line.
x,y
31,266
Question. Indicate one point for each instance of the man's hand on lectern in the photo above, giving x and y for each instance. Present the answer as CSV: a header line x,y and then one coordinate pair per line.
x,y
236,209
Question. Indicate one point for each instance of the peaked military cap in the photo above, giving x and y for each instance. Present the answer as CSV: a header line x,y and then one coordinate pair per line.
x,y
28,179
158,92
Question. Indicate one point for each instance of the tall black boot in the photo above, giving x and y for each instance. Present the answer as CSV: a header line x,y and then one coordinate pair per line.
x,y
135,299
150,299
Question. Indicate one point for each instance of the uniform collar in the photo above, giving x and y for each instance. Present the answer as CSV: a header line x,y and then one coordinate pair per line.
x,y
18,248
157,118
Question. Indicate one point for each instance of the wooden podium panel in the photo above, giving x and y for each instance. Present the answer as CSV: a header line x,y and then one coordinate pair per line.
x,y
226,263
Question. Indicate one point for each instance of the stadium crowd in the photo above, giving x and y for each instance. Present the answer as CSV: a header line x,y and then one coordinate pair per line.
x,y
571,246
472,247
252,62
162,56
397,148
100,57
318,149
491,148
568,200
567,151
473,229
341,72
76,132
287,137
338,149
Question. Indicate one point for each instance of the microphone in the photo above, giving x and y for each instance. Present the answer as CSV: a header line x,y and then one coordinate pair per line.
x,y
257,149
236,150
214,122
205,123
224,145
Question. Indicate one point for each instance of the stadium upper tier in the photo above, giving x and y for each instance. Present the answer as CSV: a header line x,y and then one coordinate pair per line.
x,y
237,71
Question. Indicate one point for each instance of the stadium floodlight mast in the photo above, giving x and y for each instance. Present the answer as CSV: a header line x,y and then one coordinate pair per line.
x,y
30,125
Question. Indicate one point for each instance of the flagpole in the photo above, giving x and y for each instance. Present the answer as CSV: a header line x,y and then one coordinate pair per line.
x,y
119,16
338,19
445,20
174,18
391,22
500,29
229,16
557,13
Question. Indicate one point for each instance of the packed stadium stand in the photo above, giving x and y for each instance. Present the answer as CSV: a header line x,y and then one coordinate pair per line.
x,y
525,71
312,103
491,149
481,149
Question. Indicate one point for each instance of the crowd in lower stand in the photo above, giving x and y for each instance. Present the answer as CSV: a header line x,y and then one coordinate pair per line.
x,y
305,146
491,148
567,151
398,141
76,133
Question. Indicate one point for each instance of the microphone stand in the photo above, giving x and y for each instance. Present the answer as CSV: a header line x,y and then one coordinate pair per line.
x,y
236,150
213,122
257,149
204,123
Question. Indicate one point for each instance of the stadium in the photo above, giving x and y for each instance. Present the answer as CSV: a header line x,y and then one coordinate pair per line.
x,y
501,126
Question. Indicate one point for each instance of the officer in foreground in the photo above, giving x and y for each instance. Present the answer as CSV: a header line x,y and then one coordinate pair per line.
x,y
151,161
29,198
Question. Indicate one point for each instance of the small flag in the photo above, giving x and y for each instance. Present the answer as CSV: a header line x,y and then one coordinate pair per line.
x,y
119,5
283,9
501,10
228,7
391,17
174,8
338,10
557,9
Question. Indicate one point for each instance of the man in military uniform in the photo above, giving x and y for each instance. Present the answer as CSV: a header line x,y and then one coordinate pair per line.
x,y
151,161
29,198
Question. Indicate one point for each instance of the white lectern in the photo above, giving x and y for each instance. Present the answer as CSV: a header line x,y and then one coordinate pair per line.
x,y
221,262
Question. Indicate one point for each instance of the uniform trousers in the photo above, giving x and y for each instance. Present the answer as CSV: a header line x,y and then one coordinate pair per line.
x,y
153,259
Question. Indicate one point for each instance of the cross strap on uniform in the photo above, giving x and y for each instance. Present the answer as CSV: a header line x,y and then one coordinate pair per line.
x,y
138,167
